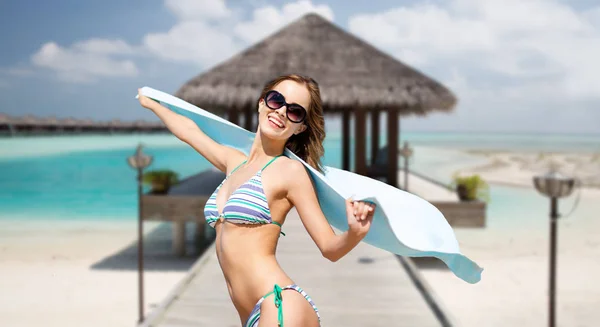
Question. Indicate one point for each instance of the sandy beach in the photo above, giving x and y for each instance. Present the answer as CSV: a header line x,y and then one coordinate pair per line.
x,y
518,168
514,286
70,273
81,273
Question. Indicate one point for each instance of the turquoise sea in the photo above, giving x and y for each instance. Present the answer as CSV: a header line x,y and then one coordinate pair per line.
x,y
87,177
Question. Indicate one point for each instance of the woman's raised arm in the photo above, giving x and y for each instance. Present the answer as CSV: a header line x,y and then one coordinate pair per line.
x,y
186,130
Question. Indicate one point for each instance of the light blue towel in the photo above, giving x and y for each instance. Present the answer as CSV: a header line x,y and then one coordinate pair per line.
x,y
403,223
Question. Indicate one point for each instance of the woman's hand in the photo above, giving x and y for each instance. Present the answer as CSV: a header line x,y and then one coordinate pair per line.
x,y
360,215
145,101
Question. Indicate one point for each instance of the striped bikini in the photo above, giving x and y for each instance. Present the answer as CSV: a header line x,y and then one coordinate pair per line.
x,y
248,205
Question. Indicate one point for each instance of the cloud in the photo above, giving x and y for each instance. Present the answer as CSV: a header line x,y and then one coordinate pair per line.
x,y
202,35
519,48
198,9
104,46
268,19
192,42
208,31
87,60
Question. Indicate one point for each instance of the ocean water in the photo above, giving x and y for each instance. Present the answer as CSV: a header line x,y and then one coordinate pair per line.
x,y
87,177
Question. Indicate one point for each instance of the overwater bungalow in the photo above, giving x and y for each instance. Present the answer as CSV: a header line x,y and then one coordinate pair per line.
x,y
32,125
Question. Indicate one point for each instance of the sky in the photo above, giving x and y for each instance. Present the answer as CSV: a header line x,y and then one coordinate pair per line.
x,y
515,65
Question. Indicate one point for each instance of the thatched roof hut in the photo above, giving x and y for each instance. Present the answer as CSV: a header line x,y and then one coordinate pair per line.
x,y
354,77
50,121
68,122
5,119
87,122
117,123
352,74
29,120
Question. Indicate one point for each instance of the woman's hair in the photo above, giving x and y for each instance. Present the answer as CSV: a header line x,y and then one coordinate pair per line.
x,y
307,145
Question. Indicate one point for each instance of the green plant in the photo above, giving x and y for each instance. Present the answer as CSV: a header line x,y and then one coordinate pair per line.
x,y
470,188
160,180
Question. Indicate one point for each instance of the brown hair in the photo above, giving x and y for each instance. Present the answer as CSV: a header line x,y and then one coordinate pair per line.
x,y
307,145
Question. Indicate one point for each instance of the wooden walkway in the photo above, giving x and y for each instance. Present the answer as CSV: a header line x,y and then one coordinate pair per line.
x,y
368,287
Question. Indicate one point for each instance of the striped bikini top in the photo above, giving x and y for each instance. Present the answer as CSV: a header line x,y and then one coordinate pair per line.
x,y
246,205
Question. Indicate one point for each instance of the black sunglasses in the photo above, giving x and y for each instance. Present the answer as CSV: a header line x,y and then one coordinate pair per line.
x,y
294,112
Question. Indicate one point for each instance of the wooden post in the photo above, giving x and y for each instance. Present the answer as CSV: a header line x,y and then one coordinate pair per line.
x,y
360,160
179,238
346,140
234,117
200,234
140,174
249,119
392,131
374,135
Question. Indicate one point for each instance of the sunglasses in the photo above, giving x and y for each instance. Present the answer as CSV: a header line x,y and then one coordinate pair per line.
x,y
294,112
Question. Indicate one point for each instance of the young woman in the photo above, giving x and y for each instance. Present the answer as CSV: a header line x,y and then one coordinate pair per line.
x,y
249,207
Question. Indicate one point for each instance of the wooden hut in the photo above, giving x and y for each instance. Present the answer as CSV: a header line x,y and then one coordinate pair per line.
x,y
355,79
51,124
6,125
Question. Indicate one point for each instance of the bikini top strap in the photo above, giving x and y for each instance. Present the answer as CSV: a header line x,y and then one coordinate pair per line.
x,y
268,163
238,166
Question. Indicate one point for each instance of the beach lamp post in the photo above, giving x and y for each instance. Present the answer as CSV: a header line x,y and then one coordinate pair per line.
x,y
406,152
139,161
555,186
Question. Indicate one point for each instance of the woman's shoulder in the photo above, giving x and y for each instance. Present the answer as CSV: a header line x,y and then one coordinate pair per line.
x,y
292,170
290,165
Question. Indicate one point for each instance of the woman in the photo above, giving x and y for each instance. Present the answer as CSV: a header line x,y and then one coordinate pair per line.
x,y
249,207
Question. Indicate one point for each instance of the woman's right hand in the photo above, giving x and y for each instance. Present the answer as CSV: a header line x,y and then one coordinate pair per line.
x,y
145,101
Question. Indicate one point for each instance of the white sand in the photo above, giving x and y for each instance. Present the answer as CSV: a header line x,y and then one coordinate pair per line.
x,y
51,278
514,286
518,168
75,274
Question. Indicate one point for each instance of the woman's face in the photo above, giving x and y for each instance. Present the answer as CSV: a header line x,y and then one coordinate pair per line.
x,y
274,123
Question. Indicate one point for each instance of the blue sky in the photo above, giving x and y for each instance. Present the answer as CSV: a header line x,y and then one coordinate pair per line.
x,y
516,65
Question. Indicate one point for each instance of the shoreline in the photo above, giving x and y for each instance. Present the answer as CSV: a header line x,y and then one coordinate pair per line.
x,y
518,169
72,268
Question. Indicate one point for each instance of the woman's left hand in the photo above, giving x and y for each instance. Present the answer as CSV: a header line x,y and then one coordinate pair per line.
x,y
360,215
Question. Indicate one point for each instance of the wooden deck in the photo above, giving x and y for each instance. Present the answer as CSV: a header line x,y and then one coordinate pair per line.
x,y
368,287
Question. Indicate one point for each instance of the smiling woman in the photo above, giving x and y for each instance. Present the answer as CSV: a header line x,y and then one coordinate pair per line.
x,y
248,209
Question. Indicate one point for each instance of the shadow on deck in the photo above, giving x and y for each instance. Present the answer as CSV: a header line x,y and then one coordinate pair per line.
x,y
157,253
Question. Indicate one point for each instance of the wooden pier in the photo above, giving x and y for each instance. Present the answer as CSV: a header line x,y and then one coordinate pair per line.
x,y
30,125
368,287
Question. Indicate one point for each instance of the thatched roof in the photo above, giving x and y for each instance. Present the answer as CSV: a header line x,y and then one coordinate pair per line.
x,y
49,121
5,119
69,121
28,120
352,74
87,122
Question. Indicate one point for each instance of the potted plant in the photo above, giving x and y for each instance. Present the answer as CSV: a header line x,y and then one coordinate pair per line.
x,y
470,188
160,180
